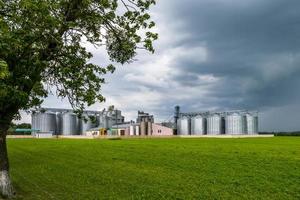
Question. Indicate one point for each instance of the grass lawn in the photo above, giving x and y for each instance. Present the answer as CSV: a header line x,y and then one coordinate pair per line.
x,y
253,168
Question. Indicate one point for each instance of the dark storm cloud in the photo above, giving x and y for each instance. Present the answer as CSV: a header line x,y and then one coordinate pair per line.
x,y
253,46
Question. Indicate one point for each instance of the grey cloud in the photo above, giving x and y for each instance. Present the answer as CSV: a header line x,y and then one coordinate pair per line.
x,y
252,51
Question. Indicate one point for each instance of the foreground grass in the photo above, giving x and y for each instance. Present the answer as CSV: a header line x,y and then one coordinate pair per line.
x,y
261,168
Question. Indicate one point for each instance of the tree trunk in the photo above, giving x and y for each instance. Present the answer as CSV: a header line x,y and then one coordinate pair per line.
x,y
6,188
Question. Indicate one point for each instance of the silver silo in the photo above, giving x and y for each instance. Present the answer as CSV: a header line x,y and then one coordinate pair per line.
x,y
234,124
198,125
183,126
44,122
86,123
137,130
34,120
69,125
214,124
101,120
143,128
58,123
132,130
252,123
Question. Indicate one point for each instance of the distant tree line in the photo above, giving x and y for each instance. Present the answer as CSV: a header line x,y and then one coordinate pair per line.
x,y
13,127
295,133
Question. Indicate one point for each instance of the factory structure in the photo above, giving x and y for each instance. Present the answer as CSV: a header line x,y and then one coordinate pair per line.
x,y
110,122
52,121
240,122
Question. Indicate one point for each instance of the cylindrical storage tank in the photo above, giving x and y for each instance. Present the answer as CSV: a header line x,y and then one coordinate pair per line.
x,y
109,122
149,127
34,119
137,130
105,121
100,120
132,130
143,128
86,123
198,125
234,124
252,124
69,125
58,123
184,126
214,124
45,122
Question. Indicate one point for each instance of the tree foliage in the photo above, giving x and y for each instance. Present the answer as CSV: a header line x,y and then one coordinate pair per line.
x,y
42,44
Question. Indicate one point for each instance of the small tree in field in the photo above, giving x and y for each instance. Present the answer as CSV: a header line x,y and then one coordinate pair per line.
x,y
41,46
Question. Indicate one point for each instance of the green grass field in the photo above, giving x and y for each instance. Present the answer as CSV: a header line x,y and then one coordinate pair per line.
x,y
256,168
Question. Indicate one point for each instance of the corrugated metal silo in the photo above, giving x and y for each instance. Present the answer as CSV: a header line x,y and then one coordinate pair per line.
x,y
234,124
45,122
252,124
137,130
86,123
34,119
100,120
69,125
149,127
103,121
198,125
143,128
184,126
132,130
58,123
214,124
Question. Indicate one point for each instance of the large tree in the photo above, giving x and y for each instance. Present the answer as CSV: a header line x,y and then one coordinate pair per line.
x,y
43,45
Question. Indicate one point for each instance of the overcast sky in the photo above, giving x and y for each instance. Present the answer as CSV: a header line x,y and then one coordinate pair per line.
x,y
213,55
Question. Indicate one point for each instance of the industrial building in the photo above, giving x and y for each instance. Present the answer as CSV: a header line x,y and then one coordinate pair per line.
x,y
239,122
144,126
52,121
111,123
66,122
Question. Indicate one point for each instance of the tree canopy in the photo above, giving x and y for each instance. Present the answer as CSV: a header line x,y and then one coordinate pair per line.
x,y
42,44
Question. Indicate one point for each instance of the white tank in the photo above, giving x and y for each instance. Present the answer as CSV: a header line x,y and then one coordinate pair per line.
x,y
183,126
137,130
58,123
69,124
198,125
44,122
234,124
252,124
214,124
34,124
132,130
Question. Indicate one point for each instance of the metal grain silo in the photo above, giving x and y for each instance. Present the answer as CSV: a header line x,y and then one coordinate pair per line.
x,y
132,130
214,124
149,128
69,125
198,125
34,120
183,126
44,122
252,124
143,128
100,120
58,123
86,123
234,124
137,130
